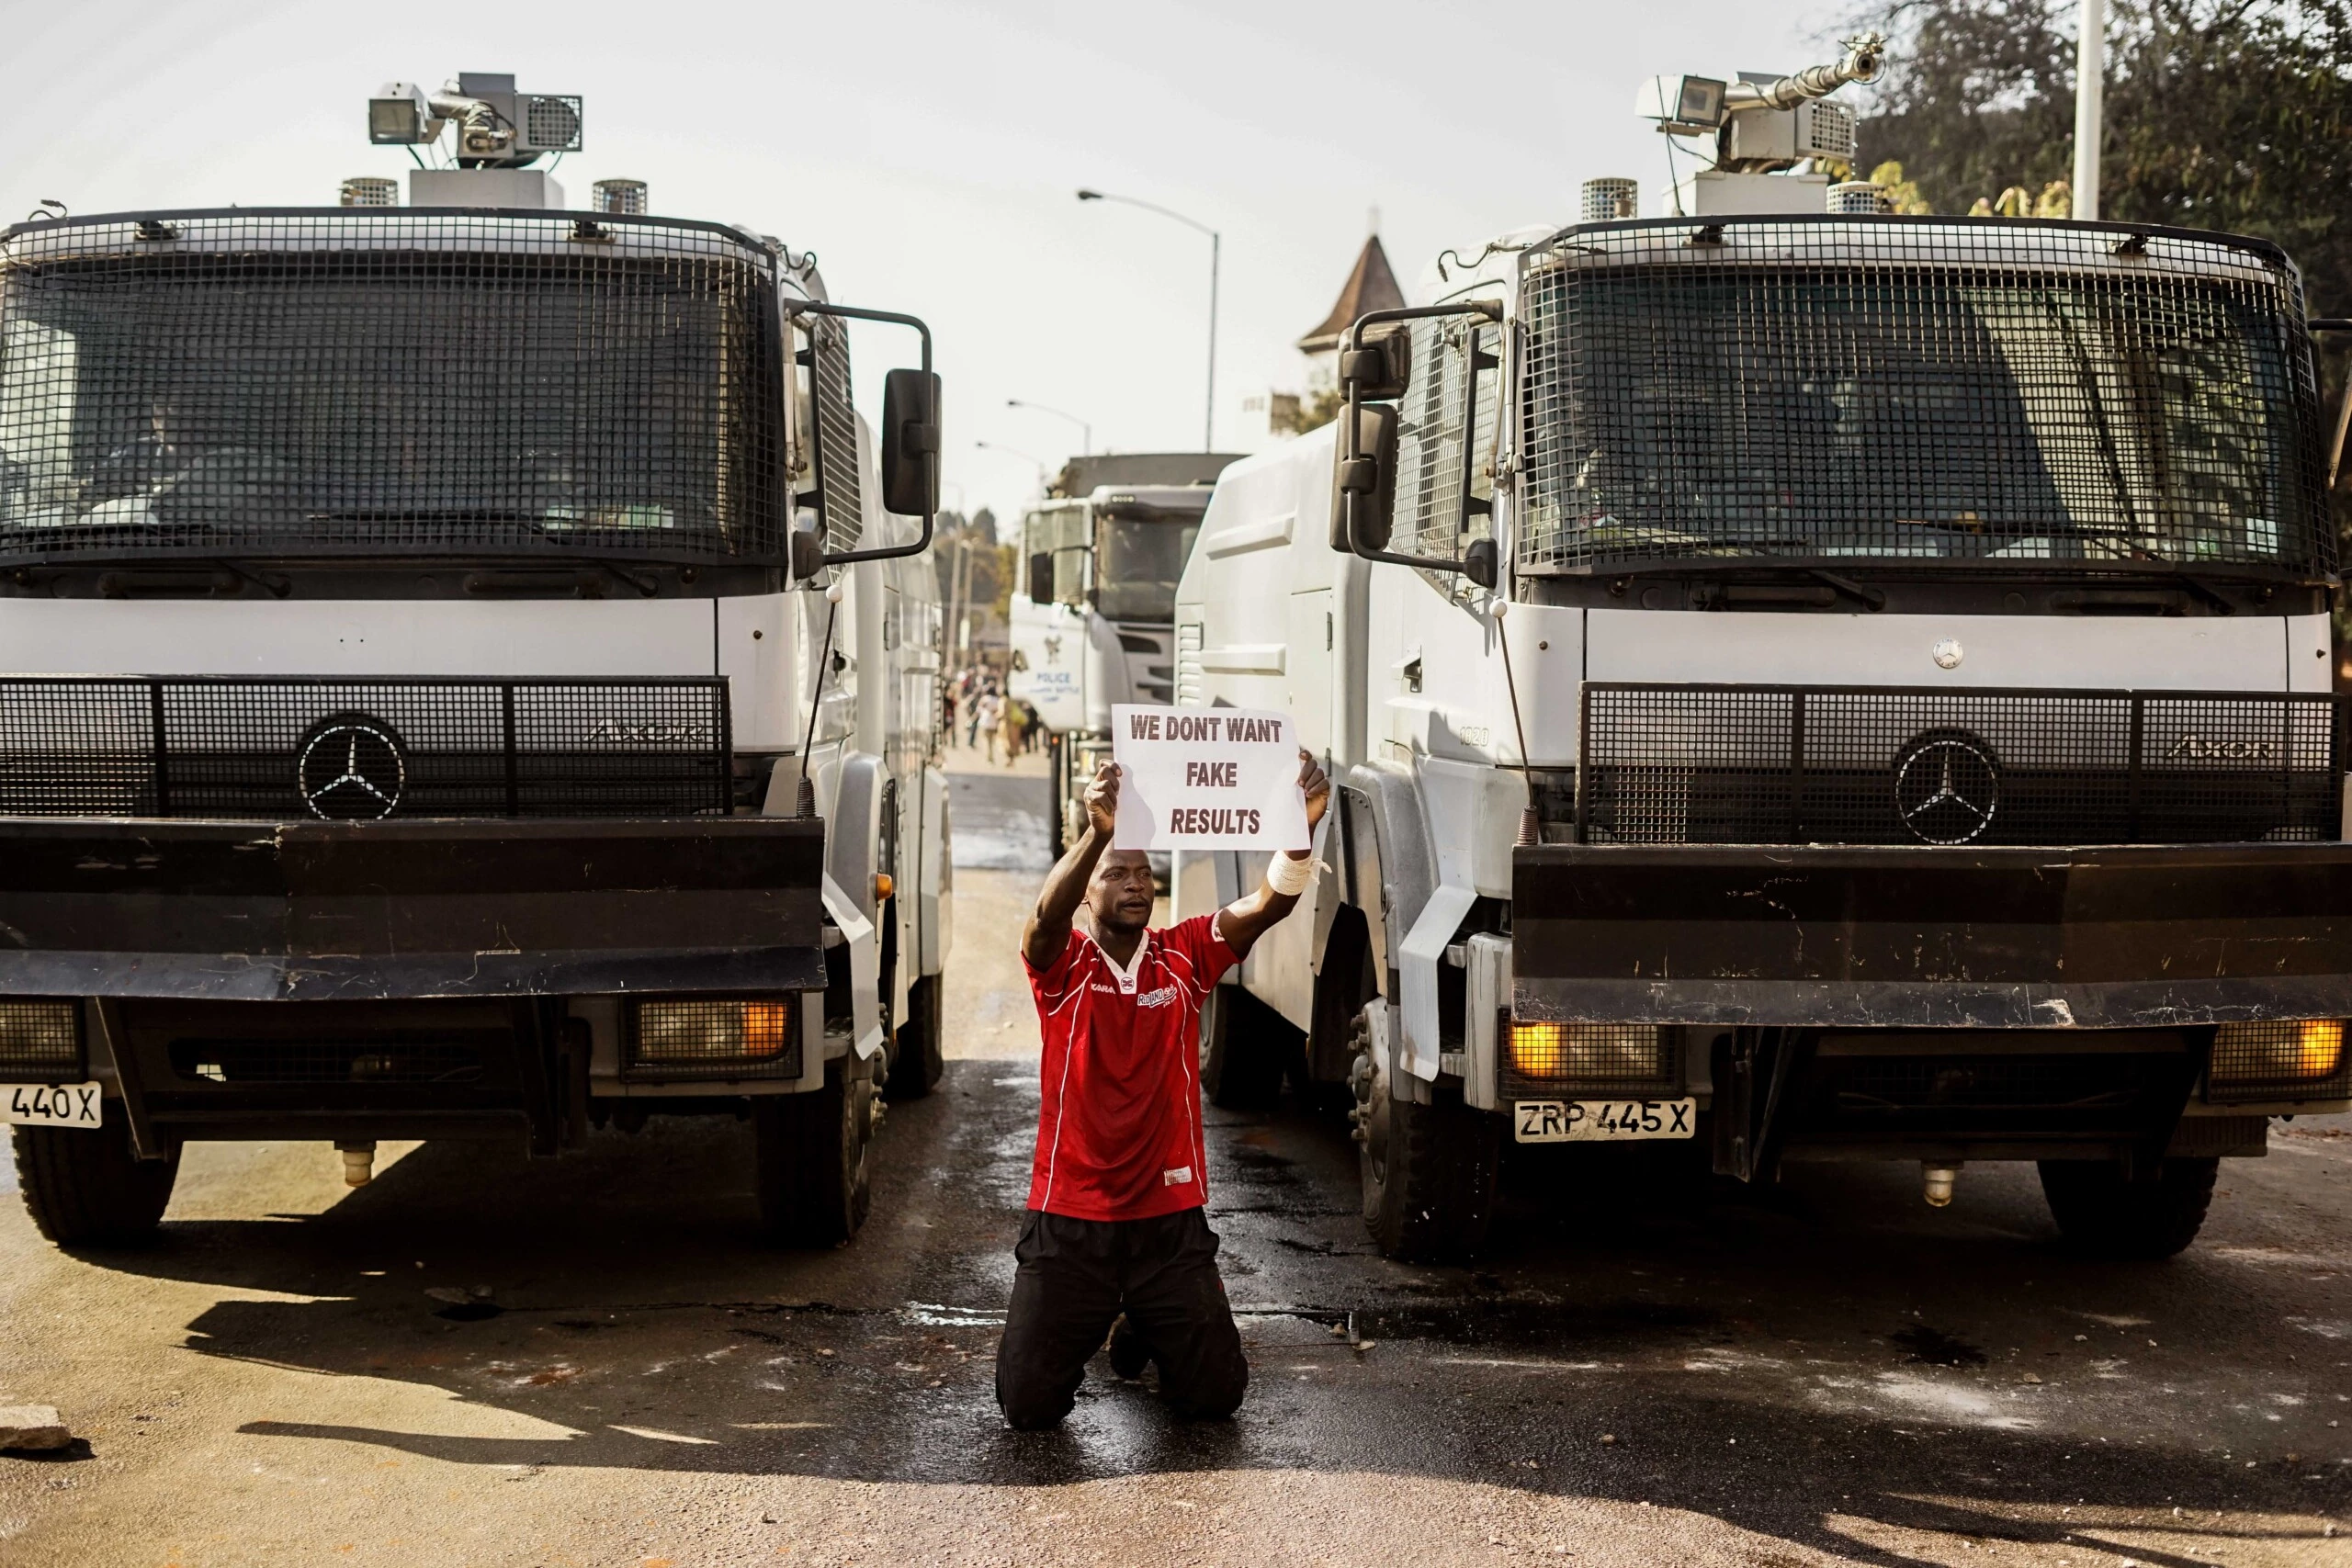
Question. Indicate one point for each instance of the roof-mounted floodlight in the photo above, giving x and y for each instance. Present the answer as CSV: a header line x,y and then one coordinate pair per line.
x,y
400,115
1682,105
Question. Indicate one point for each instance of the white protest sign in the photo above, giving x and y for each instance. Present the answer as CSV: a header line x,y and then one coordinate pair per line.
x,y
1206,779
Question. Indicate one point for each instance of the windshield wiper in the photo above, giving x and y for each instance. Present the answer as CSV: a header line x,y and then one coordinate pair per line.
x,y
1873,597
164,568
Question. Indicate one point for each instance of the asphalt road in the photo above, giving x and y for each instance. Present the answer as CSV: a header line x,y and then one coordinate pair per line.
x,y
611,1370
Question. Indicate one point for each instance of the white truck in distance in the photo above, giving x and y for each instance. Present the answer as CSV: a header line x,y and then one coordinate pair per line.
x,y
472,677
1803,686
1091,623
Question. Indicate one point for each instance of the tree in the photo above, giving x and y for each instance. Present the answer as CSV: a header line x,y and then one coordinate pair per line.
x,y
2220,114
1978,97
1310,411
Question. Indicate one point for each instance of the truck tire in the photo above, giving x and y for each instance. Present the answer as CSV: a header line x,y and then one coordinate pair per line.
x,y
814,1183
1241,1063
85,1188
1429,1171
2100,1212
918,1058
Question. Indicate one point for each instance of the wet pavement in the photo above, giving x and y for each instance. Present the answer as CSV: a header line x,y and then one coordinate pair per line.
x,y
485,1359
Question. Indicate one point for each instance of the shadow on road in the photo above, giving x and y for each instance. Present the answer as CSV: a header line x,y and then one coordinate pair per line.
x,y
1810,1364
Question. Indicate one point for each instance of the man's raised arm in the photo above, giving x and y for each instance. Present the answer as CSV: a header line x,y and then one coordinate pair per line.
x,y
1048,932
1243,921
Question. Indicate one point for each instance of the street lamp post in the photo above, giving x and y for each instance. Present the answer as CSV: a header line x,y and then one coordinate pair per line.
x,y
1217,245
1016,452
1086,431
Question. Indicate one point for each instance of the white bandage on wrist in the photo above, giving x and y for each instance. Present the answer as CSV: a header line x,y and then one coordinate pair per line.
x,y
1289,877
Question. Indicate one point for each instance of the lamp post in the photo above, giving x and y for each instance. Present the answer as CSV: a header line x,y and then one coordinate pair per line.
x,y
1016,452
2091,71
1217,244
1086,431
959,595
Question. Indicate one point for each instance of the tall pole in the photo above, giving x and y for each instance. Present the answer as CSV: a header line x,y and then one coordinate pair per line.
x,y
1208,424
2090,69
956,596
1216,247
1016,452
1086,431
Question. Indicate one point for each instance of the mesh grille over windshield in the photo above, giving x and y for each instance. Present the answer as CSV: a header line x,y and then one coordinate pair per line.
x,y
1918,390
394,381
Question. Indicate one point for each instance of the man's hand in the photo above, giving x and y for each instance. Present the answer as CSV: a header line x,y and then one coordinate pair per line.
x,y
1101,800
1242,922
1319,793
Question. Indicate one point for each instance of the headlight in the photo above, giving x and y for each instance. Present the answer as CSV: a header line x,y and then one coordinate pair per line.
x,y
1597,1054
2284,1055
41,1041
707,1037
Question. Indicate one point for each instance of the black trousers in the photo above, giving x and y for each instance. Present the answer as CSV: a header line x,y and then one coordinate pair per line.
x,y
1075,1276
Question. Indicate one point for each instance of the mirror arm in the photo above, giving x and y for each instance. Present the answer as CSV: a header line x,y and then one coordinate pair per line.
x,y
1490,309
888,552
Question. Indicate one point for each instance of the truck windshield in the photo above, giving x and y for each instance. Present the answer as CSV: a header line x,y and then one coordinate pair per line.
x,y
386,402
1921,411
1137,565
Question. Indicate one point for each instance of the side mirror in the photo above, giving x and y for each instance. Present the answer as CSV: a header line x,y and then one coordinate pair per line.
x,y
1364,487
808,554
1382,366
1041,578
911,442
1481,565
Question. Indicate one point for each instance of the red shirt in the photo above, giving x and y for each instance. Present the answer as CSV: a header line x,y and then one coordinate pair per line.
x,y
1119,1133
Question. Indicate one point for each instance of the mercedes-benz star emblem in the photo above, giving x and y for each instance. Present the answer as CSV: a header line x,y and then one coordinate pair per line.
x,y
351,770
1947,790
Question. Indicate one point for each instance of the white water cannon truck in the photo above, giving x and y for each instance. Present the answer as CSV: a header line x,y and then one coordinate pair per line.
x,y
469,676
1807,683
1093,621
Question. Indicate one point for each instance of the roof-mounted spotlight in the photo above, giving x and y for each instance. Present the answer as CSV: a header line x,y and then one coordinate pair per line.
x,y
400,115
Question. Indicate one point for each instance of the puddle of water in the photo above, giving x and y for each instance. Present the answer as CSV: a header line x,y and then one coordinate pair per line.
x,y
932,1314
981,850
1957,1404
1528,1325
1936,1347
471,1312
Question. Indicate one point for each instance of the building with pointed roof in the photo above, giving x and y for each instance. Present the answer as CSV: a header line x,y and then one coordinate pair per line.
x,y
1371,286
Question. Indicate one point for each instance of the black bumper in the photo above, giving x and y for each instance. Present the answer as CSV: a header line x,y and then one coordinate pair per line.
x,y
338,911
1871,938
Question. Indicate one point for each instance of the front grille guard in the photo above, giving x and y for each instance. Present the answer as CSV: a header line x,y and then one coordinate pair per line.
x,y
278,749
1774,765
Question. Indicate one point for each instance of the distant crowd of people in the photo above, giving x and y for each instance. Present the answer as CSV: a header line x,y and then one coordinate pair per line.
x,y
975,707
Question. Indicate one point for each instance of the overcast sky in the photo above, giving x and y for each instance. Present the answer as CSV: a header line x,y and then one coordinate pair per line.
x,y
928,154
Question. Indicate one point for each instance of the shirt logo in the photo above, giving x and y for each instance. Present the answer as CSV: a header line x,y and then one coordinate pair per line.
x,y
1158,999
1179,1177
1106,990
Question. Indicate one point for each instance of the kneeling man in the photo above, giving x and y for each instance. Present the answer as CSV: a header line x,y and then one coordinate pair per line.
x,y
1114,1219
